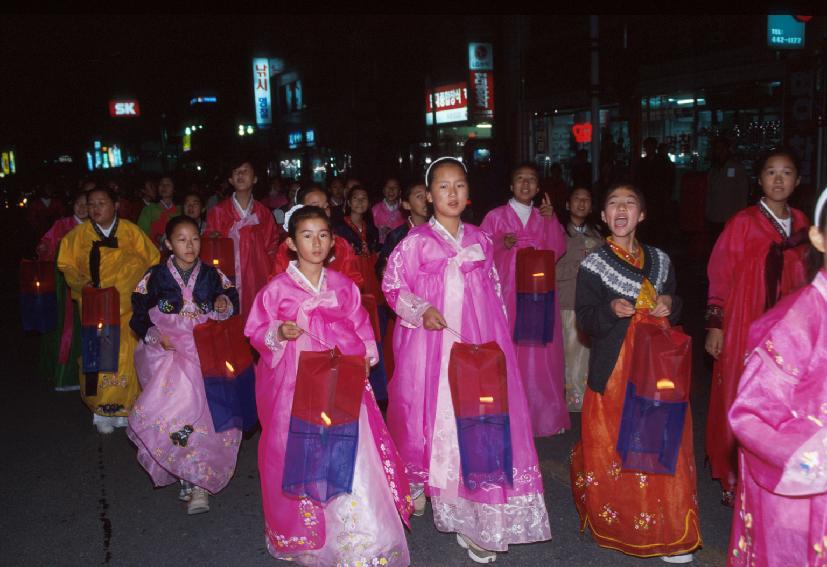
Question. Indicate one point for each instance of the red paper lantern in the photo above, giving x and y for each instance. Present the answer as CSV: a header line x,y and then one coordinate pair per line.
x,y
37,277
661,361
535,270
478,379
219,253
223,350
101,307
329,387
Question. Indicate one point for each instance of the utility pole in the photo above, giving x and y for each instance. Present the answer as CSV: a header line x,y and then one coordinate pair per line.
x,y
594,42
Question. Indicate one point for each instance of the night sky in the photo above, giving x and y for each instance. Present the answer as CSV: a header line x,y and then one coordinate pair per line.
x,y
59,71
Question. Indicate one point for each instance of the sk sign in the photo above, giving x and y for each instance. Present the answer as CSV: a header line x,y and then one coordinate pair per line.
x,y
124,108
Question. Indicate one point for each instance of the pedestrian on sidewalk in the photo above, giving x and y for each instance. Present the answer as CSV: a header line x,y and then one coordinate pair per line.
x,y
171,422
778,418
619,287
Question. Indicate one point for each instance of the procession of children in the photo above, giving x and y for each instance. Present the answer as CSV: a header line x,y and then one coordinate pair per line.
x,y
397,355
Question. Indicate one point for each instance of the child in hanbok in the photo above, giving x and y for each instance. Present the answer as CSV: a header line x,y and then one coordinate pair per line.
x,y
108,252
252,229
779,416
60,348
415,202
386,213
342,258
582,238
514,226
154,216
194,209
758,259
168,303
617,287
441,277
312,308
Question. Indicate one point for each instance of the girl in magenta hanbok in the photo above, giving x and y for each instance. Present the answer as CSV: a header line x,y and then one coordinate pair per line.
x,y
779,416
47,247
387,213
758,259
512,227
442,276
311,308
60,348
171,422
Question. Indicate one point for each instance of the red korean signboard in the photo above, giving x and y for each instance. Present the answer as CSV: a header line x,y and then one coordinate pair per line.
x,y
451,103
481,86
128,108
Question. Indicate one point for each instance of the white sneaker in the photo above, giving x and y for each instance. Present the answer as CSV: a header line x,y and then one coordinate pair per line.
x,y
200,501
686,558
475,552
104,424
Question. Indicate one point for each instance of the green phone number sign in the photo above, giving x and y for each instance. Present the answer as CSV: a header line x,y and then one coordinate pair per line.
x,y
785,32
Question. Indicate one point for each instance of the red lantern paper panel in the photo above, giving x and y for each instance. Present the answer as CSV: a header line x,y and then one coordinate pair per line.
x,y
222,348
220,253
535,270
329,387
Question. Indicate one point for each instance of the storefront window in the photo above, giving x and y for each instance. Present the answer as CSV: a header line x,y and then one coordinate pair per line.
x,y
557,137
749,116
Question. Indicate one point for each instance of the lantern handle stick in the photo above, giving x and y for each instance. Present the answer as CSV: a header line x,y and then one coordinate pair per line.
x,y
459,336
318,339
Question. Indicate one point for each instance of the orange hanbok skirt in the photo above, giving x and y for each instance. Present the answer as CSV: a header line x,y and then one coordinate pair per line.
x,y
639,514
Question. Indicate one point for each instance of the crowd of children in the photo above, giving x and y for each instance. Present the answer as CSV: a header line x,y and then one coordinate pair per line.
x,y
403,355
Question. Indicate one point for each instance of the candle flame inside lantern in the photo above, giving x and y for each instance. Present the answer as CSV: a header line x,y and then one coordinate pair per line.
x,y
665,384
538,275
327,420
486,399
36,283
100,325
229,366
215,261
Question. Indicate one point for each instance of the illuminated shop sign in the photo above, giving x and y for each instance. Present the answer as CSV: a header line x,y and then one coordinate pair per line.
x,y
786,32
295,139
582,132
124,108
450,103
261,92
203,100
481,81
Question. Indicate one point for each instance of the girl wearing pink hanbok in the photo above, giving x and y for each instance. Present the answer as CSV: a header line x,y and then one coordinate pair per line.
x,y
779,417
512,227
171,422
311,308
387,213
60,348
441,277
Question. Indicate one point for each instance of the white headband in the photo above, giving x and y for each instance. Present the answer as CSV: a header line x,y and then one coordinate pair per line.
x,y
820,207
289,214
443,158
